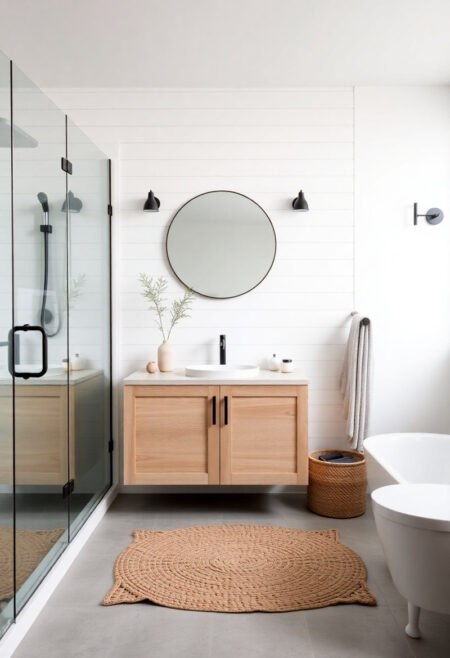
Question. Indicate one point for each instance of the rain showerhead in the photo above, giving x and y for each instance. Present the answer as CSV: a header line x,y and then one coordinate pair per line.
x,y
43,200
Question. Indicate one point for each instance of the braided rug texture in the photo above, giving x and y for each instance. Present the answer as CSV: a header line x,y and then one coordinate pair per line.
x,y
31,547
239,568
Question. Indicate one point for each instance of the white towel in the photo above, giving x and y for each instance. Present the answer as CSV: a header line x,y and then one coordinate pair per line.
x,y
355,381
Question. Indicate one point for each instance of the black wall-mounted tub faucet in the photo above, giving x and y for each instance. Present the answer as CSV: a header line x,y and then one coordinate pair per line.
x,y
223,349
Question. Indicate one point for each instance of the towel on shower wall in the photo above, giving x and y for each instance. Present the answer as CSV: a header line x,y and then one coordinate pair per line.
x,y
355,381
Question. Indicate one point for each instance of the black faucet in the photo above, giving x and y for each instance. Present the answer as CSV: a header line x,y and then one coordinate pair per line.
x,y
223,349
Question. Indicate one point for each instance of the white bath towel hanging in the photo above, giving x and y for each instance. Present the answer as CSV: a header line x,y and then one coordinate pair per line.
x,y
355,381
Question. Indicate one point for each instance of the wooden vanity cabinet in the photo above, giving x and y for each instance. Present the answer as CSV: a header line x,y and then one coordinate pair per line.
x,y
215,434
58,431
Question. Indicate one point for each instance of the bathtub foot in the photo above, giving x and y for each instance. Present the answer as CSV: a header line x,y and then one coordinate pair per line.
x,y
412,628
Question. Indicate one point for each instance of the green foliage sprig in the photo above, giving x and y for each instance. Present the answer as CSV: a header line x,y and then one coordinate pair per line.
x,y
76,289
154,291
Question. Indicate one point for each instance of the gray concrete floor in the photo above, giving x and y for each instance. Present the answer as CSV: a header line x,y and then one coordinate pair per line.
x,y
74,624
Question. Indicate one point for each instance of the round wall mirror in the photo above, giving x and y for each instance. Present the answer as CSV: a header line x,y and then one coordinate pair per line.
x,y
221,244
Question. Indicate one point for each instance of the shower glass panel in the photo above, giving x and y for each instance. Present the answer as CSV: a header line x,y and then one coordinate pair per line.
x,y
89,324
55,328
43,453
6,381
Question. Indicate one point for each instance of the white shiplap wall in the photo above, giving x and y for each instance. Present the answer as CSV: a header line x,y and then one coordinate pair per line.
x,y
266,144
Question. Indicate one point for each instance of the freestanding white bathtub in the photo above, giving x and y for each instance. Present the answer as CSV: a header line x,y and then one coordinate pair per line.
x,y
413,518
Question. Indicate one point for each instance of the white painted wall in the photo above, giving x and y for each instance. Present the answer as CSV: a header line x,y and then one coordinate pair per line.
x,y
402,140
267,144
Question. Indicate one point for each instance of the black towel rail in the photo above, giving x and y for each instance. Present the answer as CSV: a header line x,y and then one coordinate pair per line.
x,y
364,321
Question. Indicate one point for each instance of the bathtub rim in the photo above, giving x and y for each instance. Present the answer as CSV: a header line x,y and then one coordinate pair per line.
x,y
372,444
381,505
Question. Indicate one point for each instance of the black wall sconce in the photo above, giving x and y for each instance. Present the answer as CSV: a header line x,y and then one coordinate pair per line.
x,y
152,204
300,203
75,204
433,215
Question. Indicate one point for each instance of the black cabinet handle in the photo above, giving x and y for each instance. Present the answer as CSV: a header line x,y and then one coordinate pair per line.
x,y
225,410
12,340
214,413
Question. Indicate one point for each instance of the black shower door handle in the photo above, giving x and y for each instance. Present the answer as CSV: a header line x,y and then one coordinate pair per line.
x,y
11,351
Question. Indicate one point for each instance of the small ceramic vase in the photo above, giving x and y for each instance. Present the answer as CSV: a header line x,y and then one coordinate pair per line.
x,y
166,357
152,367
275,364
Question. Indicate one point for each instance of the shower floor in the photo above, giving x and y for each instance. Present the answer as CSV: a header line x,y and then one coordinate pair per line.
x,y
34,512
41,511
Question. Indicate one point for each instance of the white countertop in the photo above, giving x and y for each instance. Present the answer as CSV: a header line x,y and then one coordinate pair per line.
x,y
58,378
267,377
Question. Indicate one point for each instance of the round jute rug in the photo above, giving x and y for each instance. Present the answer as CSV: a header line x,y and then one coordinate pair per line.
x,y
239,568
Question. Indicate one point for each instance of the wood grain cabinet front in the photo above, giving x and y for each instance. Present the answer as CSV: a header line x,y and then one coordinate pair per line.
x,y
41,435
171,435
58,432
216,434
263,438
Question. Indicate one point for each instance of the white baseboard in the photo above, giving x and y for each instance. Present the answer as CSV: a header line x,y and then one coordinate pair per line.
x,y
15,634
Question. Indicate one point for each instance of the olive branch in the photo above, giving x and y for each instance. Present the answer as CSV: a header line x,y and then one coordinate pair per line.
x,y
75,291
154,290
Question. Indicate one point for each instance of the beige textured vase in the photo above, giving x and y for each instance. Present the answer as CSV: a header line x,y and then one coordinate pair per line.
x,y
166,357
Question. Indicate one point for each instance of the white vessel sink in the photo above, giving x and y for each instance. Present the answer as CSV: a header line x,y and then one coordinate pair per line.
x,y
218,371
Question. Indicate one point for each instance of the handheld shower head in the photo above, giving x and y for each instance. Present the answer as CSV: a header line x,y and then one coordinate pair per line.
x,y
43,200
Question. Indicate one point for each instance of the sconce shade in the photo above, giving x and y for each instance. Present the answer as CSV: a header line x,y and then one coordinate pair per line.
x,y
75,204
300,203
152,204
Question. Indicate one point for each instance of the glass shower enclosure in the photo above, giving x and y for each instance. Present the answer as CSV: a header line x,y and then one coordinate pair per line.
x,y
55,334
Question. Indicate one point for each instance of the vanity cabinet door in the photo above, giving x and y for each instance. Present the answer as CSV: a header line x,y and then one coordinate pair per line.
x,y
42,414
170,435
264,435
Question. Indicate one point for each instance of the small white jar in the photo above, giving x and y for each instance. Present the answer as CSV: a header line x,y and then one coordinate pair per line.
x,y
286,365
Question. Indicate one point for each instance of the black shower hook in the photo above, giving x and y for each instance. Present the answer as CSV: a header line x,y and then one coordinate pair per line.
x,y
433,215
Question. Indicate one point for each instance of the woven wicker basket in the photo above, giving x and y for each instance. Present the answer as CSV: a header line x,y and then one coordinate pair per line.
x,y
337,490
